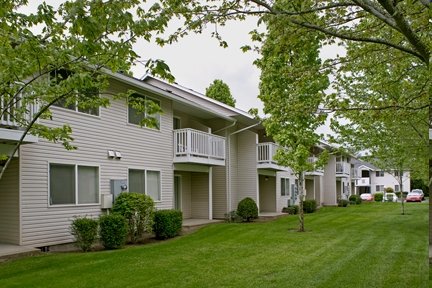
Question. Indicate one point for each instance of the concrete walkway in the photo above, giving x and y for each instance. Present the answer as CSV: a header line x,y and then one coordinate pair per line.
x,y
10,251
191,223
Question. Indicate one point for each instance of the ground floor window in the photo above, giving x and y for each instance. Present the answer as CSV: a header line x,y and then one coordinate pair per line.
x,y
73,184
145,181
379,188
396,188
285,187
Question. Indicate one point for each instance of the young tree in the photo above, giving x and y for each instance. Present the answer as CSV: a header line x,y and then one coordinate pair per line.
x,y
67,62
220,91
292,88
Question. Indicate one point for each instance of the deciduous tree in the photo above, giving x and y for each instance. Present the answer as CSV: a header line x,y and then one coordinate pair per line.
x,y
57,56
220,91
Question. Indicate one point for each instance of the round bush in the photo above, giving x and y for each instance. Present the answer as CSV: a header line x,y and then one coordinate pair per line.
x,y
167,223
355,198
378,197
247,209
343,203
138,211
84,231
309,206
113,231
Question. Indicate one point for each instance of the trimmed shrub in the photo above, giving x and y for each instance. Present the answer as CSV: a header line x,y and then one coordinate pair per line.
x,y
84,231
290,210
233,217
247,209
309,206
351,202
389,198
138,211
389,190
113,230
343,203
296,209
355,198
398,194
378,197
167,223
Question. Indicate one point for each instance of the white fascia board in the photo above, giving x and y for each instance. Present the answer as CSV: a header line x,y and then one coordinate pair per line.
x,y
141,85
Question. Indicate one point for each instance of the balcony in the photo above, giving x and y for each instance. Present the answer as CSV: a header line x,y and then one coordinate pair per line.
x,y
317,172
265,153
343,169
193,146
362,182
10,130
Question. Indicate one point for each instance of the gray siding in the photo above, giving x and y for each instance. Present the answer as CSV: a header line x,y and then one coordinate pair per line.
x,y
200,195
9,204
282,201
247,166
329,182
141,148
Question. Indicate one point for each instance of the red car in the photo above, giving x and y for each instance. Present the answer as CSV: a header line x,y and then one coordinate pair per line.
x,y
367,197
414,196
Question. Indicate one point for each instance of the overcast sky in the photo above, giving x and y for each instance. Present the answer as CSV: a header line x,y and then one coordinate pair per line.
x,y
197,59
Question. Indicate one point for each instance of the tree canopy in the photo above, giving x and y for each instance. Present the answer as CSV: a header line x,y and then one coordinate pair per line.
x,y
220,91
58,56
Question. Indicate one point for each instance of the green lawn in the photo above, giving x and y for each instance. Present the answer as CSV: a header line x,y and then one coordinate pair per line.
x,y
368,245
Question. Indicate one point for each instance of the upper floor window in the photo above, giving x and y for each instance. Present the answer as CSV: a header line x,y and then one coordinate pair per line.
x,y
136,117
81,95
73,184
379,173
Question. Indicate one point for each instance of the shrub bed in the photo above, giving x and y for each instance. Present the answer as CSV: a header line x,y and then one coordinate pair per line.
x,y
167,223
84,231
247,209
113,230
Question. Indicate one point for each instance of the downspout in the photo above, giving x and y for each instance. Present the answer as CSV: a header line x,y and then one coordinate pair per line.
x,y
228,175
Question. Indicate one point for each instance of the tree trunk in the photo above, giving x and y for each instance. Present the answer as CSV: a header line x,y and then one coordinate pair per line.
x,y
401,190
301,218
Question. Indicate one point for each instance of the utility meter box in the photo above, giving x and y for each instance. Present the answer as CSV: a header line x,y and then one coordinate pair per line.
x,y
106,201
117,187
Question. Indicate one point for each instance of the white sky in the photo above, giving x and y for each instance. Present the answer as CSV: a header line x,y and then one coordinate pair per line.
x,y
197,59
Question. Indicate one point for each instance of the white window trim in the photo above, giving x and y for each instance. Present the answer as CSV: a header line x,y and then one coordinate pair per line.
x,y
286,187
145,180
145,113
76,185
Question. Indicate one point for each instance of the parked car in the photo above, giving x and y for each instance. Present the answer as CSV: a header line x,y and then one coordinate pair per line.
x,y
390,197
415,196
418,191
367,197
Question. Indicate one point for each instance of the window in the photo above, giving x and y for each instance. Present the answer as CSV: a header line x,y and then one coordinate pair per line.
x,y
73,184
379,188
84,94
379,173
397,173
135,117
146,182
285,187
396,188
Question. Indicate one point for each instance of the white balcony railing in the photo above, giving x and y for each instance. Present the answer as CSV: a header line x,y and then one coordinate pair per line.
x,y
362,182
342,168
313,159
8,112
193,143
266,151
